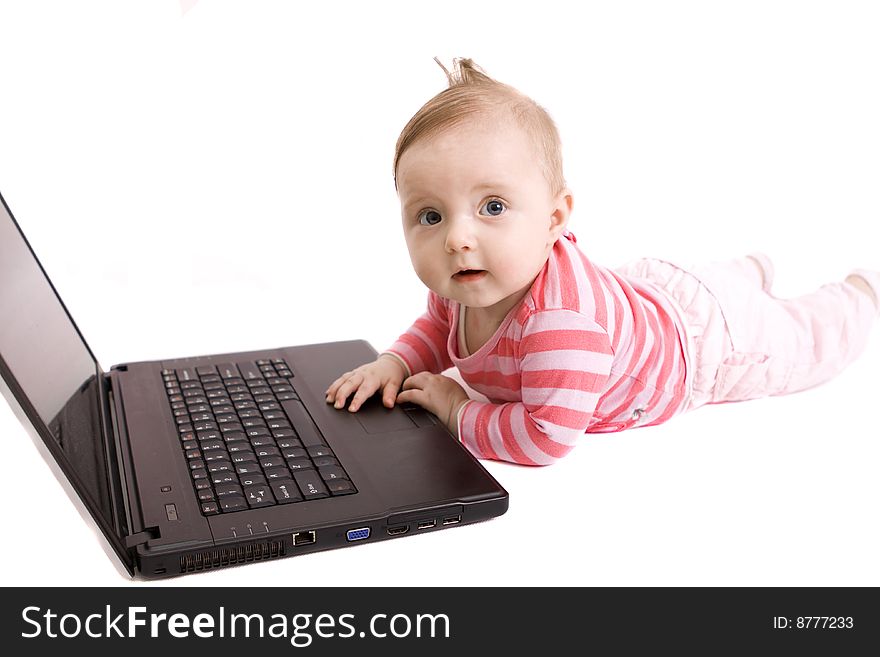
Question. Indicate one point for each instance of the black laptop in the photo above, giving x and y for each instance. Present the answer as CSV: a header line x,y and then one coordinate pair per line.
x,y
193,464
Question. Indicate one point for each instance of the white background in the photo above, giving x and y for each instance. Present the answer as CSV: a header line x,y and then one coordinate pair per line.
x,y
167,164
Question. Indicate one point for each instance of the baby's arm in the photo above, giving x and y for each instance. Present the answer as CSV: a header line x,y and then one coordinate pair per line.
x,y
421,348
565,361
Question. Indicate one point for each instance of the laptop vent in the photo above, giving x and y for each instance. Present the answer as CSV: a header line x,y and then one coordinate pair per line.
x,y
231,556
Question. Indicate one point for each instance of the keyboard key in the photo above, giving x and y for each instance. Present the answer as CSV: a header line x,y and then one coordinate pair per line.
x,y
225,490
294,453
285,491
300,464
340,487
290,443
252,480
321,461
262,441
258,496
271,461
234,503
274,474
228,371
250,371
310,484
234,446
215,455
332,472
248,467
227,477
204,426
319,450
187,374
210,508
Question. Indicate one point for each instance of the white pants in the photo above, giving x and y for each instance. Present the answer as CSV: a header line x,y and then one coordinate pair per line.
x,y
744,343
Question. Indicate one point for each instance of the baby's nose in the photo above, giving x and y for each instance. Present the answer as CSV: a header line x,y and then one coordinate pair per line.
x,y
460,235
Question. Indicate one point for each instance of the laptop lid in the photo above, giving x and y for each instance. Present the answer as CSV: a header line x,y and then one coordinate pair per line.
x,y
53,375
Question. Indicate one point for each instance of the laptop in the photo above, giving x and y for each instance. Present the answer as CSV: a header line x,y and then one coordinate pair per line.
x,y
194,464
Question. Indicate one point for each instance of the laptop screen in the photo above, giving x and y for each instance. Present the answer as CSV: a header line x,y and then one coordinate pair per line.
x,y
52,365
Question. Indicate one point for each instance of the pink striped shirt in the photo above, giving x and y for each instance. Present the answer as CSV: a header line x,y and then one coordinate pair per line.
x,y
586,350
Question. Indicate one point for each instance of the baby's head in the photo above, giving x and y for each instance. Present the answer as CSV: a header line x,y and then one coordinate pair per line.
x,y
479,174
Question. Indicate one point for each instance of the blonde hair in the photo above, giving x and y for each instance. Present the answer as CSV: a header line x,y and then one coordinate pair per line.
x,y
472,93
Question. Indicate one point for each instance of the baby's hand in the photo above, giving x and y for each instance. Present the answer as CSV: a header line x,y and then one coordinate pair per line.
x,y
386,372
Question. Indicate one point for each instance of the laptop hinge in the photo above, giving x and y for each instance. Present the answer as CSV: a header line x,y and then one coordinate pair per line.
x,y
142,537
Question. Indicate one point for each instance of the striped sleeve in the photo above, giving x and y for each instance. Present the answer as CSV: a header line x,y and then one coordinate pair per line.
x,y
422,348
565,360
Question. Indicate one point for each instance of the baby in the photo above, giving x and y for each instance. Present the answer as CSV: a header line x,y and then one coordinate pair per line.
x,y
559,345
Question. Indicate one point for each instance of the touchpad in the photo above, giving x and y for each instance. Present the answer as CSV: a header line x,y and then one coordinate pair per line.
x,y
376,418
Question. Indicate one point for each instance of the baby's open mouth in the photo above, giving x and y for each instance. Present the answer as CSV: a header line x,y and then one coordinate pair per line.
x,y
469,274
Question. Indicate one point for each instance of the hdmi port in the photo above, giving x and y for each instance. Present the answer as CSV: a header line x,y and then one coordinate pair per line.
x,y
397,531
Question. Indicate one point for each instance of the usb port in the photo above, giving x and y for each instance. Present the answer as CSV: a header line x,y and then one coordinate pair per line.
x,y
357,534
452,520
397,531
303,538
427,524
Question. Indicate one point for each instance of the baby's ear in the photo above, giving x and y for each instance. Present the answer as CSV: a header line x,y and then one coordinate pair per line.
x,y
562,206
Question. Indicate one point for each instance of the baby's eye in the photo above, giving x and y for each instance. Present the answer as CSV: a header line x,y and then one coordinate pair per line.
x,y
429,217
493,207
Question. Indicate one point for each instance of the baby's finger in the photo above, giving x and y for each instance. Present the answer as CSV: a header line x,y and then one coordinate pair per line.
x,y
331,391
365,391
348,387
412,396
414,381
389,393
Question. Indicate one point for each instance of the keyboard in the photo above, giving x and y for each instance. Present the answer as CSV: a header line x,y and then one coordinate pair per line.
x,y
247,438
